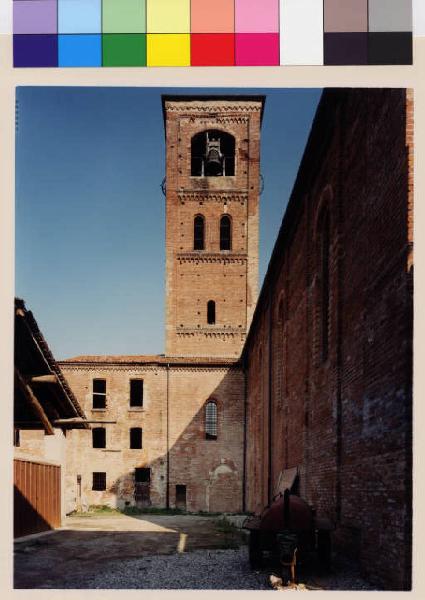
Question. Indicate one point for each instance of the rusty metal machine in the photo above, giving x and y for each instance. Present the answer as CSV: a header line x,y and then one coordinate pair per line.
x,y
288,530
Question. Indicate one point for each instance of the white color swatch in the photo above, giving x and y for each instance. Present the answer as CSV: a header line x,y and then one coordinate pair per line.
x,y
301,32
419,17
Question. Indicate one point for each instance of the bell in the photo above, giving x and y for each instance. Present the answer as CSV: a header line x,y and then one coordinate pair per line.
x,y
214,157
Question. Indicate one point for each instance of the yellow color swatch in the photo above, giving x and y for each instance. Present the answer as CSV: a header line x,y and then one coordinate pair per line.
x,y
168,16
168,50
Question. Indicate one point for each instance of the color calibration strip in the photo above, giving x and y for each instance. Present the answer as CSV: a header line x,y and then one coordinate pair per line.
x,y
128,33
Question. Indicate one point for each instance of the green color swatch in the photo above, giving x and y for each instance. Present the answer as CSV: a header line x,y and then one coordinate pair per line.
x,y
124,16
124,50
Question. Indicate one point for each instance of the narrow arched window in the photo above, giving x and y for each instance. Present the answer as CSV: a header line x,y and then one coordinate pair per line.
x,y
199,233
280,312
211,421
211,312
324,281
225,233
279,352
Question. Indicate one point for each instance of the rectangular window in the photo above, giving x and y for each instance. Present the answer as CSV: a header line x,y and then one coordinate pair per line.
x,y
136,392
136,438
99,393
99,437
99,481
142,475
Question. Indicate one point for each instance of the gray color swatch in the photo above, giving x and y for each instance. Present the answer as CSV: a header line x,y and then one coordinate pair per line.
x,y
390,15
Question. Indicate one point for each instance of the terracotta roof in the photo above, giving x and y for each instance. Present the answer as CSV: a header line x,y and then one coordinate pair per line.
x,y
144,359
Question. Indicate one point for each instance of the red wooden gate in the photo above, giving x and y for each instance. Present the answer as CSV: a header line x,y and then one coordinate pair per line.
x,y
37,497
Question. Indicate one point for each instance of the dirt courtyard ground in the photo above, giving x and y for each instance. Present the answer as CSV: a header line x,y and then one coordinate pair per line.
x,y
87,543
117,551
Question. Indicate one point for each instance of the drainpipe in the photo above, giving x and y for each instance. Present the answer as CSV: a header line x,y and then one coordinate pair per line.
x,y
167,492
245,410
269,494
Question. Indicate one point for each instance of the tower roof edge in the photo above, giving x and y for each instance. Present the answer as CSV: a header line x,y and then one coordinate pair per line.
x,y
212,97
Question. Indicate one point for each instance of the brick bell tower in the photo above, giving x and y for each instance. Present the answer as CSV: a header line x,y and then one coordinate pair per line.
x,y
212,189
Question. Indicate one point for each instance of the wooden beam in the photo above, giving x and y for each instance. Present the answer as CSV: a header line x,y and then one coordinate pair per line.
x,y
51,378
78,420
34,402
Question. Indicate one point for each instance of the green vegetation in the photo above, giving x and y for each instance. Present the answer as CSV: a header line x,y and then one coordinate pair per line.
x,y
151,510
100,509
232,536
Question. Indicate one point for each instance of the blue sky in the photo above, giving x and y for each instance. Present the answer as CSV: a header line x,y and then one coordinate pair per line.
x,y
90,215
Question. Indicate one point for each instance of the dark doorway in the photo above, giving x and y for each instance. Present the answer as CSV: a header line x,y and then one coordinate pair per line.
x,y
181,497
142,484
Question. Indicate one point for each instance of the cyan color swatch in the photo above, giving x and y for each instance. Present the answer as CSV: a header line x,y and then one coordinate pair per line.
x,y
211,32
79,16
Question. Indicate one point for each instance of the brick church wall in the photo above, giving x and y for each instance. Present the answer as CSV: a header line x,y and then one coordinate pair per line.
x,y
343,418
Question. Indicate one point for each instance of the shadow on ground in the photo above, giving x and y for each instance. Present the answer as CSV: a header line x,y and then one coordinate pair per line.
x,y
87,544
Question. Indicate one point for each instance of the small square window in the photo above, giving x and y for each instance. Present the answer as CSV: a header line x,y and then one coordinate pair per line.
x,y
136,392
99,393
99,481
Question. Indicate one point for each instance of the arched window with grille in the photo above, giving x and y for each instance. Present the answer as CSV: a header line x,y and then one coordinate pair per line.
x,y
225,233
211,420
199,233
211,312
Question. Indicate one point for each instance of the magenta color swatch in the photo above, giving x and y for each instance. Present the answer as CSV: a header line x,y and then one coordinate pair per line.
x,y
257,49
257,16
35,16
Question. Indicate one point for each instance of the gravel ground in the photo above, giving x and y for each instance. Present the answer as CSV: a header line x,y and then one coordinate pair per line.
x,y
202,569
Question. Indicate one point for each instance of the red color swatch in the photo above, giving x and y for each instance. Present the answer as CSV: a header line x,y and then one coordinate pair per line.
x,y
212,49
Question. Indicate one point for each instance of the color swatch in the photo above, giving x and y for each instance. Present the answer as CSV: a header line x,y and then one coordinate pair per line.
x,y
367,32
154,33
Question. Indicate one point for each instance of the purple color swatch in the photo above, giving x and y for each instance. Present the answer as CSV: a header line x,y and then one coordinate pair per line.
x,y
345,48
35,50
349,32
35,16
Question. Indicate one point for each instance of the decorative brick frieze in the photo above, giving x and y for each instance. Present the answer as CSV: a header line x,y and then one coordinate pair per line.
x,y
205,257
221,196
